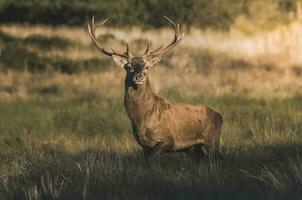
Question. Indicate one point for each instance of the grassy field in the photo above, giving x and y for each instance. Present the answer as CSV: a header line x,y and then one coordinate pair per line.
x,y
67,136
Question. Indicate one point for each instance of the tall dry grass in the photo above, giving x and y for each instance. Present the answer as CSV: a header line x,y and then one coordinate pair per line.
x,y
259,65
282,45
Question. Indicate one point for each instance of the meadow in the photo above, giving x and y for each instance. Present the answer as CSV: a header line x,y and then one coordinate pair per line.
x,y
64,133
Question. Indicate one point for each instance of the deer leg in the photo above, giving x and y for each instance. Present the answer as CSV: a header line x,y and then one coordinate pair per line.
x,y
197,153
214,147
193,154
213,152
156,151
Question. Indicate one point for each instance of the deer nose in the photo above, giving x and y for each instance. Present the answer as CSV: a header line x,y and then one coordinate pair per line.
x,y
139,77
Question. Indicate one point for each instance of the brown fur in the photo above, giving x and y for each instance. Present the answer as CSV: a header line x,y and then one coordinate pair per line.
x,y
161,126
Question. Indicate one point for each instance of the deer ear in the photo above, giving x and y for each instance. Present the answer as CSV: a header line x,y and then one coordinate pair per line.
x,y
119,60
152,60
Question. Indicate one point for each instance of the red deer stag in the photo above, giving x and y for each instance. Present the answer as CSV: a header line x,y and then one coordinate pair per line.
x,y
159,125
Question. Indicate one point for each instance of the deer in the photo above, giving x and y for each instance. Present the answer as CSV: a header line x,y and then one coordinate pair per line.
x,y
161,126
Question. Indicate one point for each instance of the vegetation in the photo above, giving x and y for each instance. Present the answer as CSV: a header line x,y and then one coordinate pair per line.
x,y
217,14
54,149
64,133
28,59
67,136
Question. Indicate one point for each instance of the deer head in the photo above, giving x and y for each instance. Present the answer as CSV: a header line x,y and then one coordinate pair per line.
x,y
136,66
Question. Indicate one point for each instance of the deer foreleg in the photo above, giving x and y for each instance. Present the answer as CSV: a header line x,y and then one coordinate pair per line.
x,y
157,150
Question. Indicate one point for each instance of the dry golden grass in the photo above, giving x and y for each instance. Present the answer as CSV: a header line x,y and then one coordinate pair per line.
x,y
280,48
281,45
253,83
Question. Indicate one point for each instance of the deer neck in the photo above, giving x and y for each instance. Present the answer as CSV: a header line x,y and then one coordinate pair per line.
x,y
139,100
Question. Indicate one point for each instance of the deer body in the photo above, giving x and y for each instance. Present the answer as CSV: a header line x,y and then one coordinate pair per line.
x,y
177,127
158,125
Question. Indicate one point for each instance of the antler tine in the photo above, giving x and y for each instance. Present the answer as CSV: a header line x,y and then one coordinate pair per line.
x,y
159,48
100,23
148,52
128,53
127,48
91,31
176,27
147,48
177,38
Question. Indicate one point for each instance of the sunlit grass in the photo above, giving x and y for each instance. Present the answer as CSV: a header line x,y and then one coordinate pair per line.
x,y
280,45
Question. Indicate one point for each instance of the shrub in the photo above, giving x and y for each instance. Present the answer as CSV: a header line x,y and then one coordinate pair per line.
x,y
145,13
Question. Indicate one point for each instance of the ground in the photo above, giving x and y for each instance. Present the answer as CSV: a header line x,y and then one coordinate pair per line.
x,y
66,135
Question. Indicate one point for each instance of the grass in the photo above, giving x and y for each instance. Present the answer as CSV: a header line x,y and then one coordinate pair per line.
x,y
67,136
86,146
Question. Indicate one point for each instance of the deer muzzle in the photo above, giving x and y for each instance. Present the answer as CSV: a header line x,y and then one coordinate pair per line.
x,y
139,78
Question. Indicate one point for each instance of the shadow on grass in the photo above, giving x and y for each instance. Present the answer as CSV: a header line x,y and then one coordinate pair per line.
x,y
263,172
16,54
37,40
47,43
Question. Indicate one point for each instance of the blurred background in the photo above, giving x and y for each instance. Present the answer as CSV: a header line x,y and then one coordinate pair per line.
x,y
61,101
45,35
240,28
52,34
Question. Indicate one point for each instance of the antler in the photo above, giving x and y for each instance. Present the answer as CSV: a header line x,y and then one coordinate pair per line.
x,y
91,31
161,51
157,52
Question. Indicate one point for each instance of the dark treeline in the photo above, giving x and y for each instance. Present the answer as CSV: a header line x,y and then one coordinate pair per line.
x,y
217,14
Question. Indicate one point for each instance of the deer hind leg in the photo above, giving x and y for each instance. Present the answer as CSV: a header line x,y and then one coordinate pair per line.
x,y
197,153
157,150
212,144
217,131
211,150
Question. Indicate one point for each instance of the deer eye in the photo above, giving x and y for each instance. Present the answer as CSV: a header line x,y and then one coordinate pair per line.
x,y
129,67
